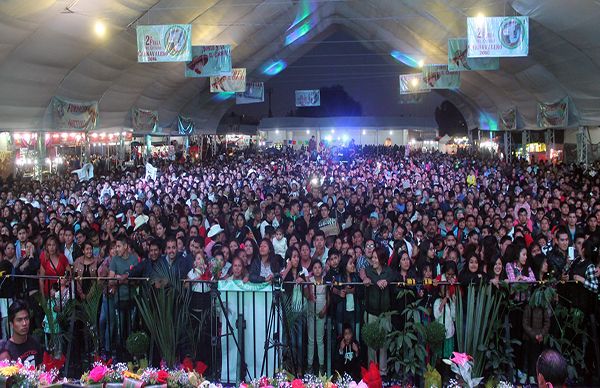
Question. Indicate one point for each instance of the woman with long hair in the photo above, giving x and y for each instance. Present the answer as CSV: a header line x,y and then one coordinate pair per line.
x,y
52,263
267,266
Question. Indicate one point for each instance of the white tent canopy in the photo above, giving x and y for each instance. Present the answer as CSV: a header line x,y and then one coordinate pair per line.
x,y
48,48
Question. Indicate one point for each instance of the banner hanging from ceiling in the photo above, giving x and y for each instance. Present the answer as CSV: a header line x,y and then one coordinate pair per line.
x,y
553,115
255,92
459,61
185,126
438,77
143,120
209,61
413,83
236,82
498,36
164,43
508,119
67,114
415,98
308,97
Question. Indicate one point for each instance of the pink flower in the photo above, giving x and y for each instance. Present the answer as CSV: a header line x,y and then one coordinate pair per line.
x,y
362,384
263,382
243,385
297,383
352,384
460,358
46,378
97,374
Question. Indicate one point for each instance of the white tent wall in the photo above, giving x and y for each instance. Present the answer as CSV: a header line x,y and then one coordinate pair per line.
x,y
48,51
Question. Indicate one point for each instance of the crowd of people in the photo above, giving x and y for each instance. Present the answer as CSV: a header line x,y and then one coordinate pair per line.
x,y
343,237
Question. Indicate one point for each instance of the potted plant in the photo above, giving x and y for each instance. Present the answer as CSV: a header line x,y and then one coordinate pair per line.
x,y
137,345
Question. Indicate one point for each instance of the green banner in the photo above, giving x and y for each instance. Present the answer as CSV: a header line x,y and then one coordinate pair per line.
x,y
439,77
164,43
504,36
459,61
554,114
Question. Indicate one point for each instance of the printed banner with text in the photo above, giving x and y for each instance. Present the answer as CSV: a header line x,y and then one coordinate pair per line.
x,y
255,92
553,115
143,120
68,114
236,82
508,119
308,97
438,77
459,61
209,61
498,36
164,43
412,83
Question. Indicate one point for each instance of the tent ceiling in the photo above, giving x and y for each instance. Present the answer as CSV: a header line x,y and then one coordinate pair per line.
x,y
48,48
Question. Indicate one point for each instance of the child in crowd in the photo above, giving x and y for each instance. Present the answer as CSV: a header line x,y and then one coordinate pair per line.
x,y
318,300
280,242
348,353
444,311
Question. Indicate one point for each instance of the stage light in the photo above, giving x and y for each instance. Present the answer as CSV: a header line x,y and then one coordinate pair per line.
x,y
421,63
100,28
414,82
308,131
277,131
332,130
391,132
364,132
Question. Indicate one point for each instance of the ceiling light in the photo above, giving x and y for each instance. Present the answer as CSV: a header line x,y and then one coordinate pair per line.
x,y
421,63
100,28
414,82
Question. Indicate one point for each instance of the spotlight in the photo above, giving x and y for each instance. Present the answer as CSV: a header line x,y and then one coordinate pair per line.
x,y
414,82
100,28
421,63
308,131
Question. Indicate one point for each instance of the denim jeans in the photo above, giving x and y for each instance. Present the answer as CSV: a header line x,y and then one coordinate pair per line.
x,y
297,341
108,322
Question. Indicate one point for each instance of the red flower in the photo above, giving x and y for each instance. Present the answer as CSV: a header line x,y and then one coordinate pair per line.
x,y
162,376
201,367
187,364
52,363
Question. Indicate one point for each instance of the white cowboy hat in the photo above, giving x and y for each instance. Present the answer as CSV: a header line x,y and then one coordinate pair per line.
x,y
140,220
214,230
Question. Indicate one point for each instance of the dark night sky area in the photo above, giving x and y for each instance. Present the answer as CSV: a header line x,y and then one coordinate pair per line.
x,y
369,77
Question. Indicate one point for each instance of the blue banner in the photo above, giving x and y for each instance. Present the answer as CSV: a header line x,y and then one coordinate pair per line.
x,y
209,61
185,126
255,92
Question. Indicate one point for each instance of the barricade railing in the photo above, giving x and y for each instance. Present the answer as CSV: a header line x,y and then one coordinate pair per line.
x,y
240,330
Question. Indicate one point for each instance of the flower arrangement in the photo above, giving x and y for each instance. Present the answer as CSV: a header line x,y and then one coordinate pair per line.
x,y
15,373
462,365
104,373
285,380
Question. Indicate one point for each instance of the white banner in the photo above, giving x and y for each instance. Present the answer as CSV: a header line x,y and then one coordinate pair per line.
x,y
255,92
85,173
68,114
439,77
413,83
236,82
151,172
164,43
498,36
252,301
308,97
